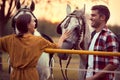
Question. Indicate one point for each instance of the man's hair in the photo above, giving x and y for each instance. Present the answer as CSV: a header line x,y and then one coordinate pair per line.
x,y
102,10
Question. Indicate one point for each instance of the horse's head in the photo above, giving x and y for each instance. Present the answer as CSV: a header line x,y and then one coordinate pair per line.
x,y
23,10
76,22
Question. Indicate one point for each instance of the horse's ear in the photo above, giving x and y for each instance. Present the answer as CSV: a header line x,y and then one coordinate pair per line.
x,y
59,30
84,8
68,9
18,4
32,6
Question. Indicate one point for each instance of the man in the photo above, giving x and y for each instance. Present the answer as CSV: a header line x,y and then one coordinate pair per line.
x,y
102,40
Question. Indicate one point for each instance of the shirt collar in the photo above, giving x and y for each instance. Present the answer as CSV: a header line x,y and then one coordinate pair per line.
x,y
105,29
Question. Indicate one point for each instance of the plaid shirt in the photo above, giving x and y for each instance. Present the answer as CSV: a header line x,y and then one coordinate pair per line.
x,y
106,41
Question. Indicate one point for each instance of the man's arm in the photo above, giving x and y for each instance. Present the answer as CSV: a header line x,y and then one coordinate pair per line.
x,y
99,75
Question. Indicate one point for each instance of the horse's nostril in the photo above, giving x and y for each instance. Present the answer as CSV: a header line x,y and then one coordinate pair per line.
x,y
77,28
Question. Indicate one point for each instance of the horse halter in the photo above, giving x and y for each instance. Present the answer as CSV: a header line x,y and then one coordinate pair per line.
x,y
80,29
81,33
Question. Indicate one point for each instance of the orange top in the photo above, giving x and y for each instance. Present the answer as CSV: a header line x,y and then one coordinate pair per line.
x,y
24,53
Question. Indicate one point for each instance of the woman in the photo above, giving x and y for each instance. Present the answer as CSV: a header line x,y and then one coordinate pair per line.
x,y
25,49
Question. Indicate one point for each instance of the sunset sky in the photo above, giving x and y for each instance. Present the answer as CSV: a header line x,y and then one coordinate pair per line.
x,y
55,10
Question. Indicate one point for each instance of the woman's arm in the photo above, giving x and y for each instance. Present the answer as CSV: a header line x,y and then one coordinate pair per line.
x,y
63,37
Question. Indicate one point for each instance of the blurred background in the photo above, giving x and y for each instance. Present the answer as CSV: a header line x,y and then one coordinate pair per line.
x,y
49,14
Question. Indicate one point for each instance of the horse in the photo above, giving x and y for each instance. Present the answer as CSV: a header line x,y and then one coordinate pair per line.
x,y
79,38
46,60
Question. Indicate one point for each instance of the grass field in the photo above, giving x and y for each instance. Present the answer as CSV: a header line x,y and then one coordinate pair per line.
x,y
72,70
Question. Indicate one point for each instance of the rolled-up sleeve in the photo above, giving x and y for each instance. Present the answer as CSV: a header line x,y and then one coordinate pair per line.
x,y
47,44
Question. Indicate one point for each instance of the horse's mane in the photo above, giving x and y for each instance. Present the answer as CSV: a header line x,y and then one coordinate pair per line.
x,y
87,36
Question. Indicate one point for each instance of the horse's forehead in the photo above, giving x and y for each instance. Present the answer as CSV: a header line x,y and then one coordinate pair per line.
x,y
78,13
20,12
73,21
24,9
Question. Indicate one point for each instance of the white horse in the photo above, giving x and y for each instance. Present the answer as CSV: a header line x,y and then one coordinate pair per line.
x,y
79,38
45,61
44,65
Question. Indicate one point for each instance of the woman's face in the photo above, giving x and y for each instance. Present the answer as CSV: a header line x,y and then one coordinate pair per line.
x,y
31,25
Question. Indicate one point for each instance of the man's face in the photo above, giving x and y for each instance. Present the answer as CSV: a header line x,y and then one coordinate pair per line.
x,y
95,19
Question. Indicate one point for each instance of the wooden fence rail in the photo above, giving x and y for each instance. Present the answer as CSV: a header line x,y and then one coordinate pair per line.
x,y
100,53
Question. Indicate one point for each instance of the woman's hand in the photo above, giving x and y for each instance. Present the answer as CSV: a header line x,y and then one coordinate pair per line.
x,y
63,37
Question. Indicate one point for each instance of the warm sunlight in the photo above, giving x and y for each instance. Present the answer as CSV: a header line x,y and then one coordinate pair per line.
x,y
55,10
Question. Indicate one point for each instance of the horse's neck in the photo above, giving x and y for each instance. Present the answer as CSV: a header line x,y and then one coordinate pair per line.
x,y
36,33
87,37
16,30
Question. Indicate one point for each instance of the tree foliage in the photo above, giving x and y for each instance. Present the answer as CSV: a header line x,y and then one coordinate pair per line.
x,y
6,9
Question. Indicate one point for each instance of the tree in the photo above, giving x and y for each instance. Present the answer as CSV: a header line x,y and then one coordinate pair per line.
x,y
5,15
